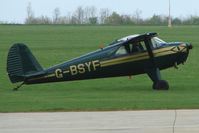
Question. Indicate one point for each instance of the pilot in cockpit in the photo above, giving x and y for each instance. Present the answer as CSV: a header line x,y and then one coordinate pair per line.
x,y
137,47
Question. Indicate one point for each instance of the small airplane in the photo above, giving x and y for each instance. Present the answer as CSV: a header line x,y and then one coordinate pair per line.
x,y
131,55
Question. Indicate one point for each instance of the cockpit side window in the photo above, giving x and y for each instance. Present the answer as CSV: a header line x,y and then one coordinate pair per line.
x,y
138,47
121,51
131,48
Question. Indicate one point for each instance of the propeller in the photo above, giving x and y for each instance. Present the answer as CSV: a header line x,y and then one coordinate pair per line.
x,y
190,46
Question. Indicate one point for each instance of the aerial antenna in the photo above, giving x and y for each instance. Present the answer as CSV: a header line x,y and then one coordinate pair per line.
x,y
169,18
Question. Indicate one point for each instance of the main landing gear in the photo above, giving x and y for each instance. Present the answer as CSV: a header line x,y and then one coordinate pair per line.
x,y
161,85
158,83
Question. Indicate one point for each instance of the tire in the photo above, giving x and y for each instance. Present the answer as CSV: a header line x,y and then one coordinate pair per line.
x,y
161,85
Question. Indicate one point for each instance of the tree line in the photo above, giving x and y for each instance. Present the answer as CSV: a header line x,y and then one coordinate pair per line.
x,y
90,15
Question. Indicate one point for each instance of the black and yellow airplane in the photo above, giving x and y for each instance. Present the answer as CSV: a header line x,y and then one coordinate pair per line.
x,y
131,55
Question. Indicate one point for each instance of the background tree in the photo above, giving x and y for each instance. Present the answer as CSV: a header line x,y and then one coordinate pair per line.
x,y
176,21
93,11
104,14
113,19
86,15
73,20
80,15
126,19
194,20
56,15
157,20
93,20
30,14
90,15
137,16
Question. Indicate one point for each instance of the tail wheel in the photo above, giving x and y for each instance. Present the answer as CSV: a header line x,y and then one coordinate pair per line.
x,y
161,85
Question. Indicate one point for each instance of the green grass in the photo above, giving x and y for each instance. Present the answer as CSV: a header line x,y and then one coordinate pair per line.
x,y
53,44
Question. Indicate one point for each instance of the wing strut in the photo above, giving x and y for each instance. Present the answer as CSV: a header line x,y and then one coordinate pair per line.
x,y
148,44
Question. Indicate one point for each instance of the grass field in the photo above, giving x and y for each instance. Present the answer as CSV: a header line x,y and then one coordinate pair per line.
x,y
53,44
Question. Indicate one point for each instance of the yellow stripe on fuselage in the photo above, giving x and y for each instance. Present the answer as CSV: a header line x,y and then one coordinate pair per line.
x,y
42,77
124,59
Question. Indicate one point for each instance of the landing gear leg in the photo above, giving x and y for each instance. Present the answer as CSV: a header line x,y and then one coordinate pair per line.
x,y
158,83
16,89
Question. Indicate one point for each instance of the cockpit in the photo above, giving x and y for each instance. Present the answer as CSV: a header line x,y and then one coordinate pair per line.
x,y
131,48
134,47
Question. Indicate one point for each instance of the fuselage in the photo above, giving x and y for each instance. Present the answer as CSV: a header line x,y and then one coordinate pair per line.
x,y
107,63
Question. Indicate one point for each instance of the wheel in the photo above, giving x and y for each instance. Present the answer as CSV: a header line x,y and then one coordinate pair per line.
x,y
161,85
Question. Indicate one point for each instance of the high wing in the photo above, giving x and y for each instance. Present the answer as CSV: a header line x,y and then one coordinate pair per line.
x,y
141,37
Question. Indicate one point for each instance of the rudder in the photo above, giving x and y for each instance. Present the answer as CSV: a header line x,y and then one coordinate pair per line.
x,y
21,63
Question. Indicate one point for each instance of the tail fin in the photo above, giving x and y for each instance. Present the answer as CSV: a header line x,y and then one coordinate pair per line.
x,y
21,62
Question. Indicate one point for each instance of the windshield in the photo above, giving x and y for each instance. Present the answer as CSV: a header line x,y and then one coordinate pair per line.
x,y
157,42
